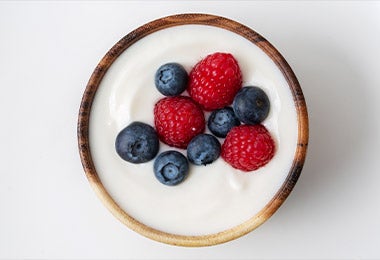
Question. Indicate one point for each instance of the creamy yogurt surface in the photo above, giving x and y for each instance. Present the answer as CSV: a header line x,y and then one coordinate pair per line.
x,y
212,198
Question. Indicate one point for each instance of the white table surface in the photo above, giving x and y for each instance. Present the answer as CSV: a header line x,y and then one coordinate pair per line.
x,y
48,51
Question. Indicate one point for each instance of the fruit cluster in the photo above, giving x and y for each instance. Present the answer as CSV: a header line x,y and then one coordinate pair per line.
x,y
213,85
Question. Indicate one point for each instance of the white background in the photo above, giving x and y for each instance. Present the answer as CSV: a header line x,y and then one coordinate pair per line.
x,y
48,51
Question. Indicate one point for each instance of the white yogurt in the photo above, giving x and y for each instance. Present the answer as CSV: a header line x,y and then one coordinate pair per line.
x,y
215,197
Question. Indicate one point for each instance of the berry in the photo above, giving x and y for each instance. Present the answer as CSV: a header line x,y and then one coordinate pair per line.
x,y
251,105
203,149
137,143
215,80
171,79
178,120
221,121
171,168
248,147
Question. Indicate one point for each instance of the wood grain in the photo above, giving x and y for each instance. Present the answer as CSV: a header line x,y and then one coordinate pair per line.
x,y
85,111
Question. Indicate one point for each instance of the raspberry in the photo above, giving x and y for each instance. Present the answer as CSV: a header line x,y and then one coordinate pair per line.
x,y
178,120
248,147
215,80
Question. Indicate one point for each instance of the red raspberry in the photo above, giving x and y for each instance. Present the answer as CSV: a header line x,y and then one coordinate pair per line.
x,y
215,80
178,120
248,147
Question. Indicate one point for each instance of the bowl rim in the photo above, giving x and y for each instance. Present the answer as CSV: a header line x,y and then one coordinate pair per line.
x,y
85,111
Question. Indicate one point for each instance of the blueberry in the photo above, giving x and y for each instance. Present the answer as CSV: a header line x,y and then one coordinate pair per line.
x,y
221,121
171,79
137,143
171,167
251,105
203,149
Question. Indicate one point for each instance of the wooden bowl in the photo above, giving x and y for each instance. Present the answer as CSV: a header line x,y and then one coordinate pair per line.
x,y
85,111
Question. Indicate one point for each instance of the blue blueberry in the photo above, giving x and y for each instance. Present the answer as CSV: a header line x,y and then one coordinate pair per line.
x,y
251,105
137,143
171,79
203,149
221,121
171,167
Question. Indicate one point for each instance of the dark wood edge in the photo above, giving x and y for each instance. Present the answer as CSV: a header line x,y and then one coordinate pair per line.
x,y
96,78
